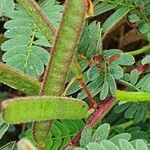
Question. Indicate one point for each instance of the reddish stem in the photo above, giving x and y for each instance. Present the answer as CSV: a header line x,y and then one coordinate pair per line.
x,y
142,68
101,111
93,103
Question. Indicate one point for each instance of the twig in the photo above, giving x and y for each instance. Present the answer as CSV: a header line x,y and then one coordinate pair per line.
x,y
93,103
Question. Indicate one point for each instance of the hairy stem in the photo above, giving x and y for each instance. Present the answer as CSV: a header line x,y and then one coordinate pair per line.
x,y
40,131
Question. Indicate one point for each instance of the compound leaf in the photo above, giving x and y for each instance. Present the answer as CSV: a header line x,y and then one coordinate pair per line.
x,y
115,18
6,7
24,49
101,133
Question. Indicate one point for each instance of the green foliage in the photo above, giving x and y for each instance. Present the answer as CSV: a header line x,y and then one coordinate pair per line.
x,y
90,42
8,146
60,133
101,140
142,84
136,111
3,95
87,133
6,7
139,18
146,60
24,49
101,133
103,7
115,18
100,76
3,127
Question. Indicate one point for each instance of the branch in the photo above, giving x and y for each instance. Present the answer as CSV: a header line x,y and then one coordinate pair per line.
x,y
102,110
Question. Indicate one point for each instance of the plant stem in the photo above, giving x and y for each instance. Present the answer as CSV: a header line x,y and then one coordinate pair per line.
x,y
93,103
101,111
140,51
40,132
76,69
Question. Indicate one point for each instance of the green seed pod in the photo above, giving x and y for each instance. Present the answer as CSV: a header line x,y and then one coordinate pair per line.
x,y
64,47
40,108
132,96
18,80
